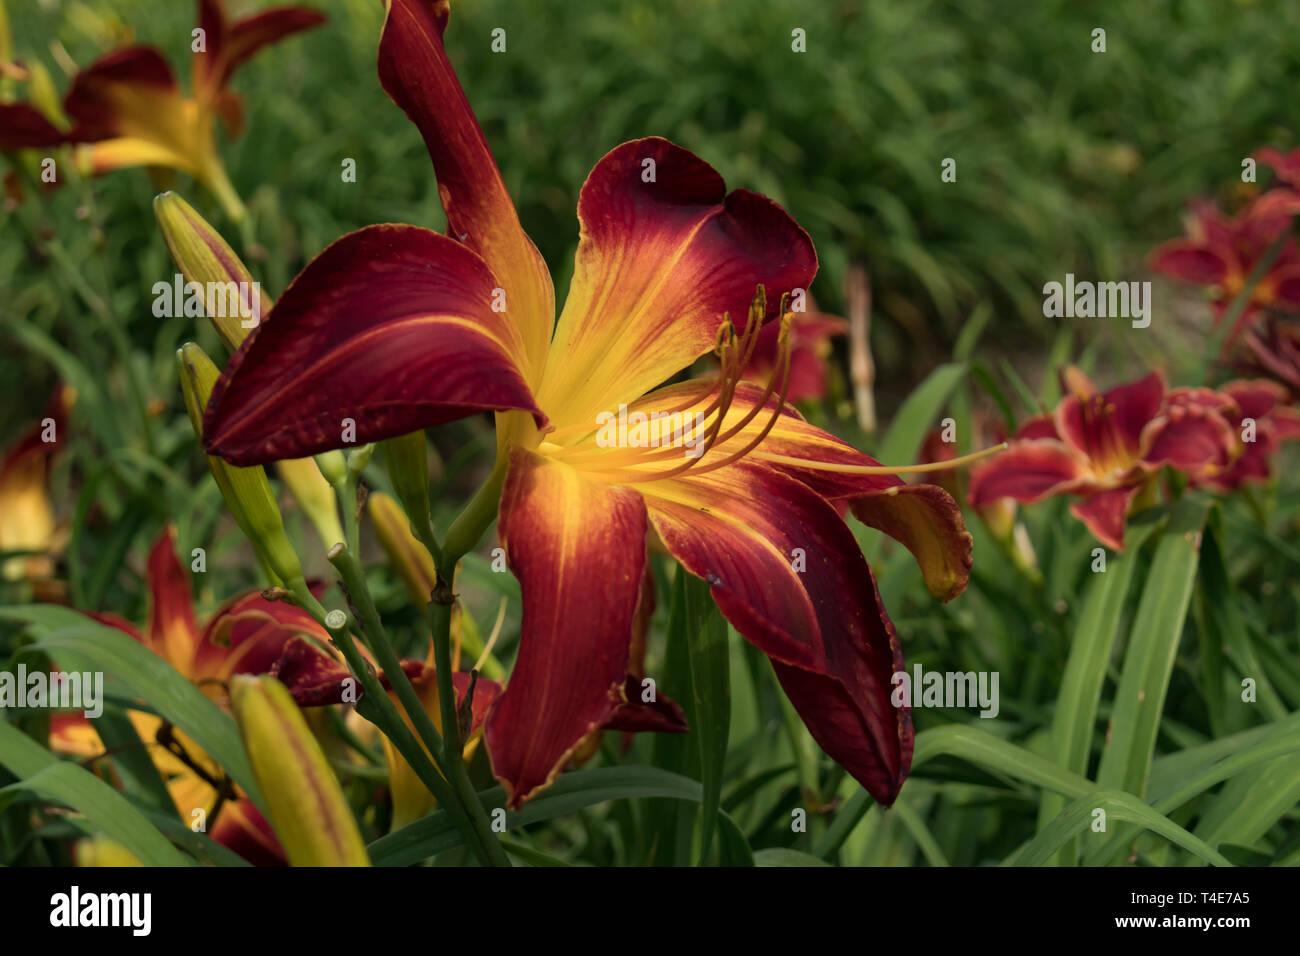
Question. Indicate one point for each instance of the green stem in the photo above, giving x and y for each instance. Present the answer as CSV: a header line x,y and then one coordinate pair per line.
x,y
372,629
347,492
383,714
448,743
440,608
464,534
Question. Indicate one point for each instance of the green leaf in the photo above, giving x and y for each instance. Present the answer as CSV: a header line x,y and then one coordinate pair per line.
x,y
111,813
1153,645
846,818
571,792
1075,716
709,712
79,643
1252,802
1079,816
992,753
1224,629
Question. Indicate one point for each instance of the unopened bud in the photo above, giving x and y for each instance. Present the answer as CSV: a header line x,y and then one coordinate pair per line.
x,y
247,491
232,301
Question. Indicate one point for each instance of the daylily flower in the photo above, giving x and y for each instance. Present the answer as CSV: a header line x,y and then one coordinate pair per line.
x,y
128,107
1105,448
810,347
27,521
1220,251
396,328
247,635
1259,422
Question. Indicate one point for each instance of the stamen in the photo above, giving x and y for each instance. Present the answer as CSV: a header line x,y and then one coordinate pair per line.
x,y
782,371
885,469
735,353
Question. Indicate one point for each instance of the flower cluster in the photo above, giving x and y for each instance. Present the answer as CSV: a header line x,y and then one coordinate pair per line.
x,y
1108,448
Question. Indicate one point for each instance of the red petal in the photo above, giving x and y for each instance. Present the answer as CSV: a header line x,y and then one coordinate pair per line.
x,y
661,715
1108,429
391,327
270,26
229,45
1042,426
1286,165
923,518
248,636
1255,399
1190,437
833,647
414,71
1189,261
173,633
95,100
578,548
1106,514
23,126
240,827
1027,471
658,264
313,677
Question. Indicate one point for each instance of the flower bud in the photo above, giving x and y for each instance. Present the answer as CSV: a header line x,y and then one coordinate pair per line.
x,y
314,495
232,301
246,490
408,467
305,806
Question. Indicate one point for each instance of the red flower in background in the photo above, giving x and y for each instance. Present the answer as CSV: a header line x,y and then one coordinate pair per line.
x,y
127,109
1220,251
1259,422
810,347
1104,448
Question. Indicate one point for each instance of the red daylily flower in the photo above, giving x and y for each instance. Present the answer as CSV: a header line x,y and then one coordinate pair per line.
x,y
128,107
1259,422
247,635
1220,251
1105,448
810,346
398,328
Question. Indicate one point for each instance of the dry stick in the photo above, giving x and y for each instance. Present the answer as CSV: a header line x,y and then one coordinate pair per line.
x,y
862,368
